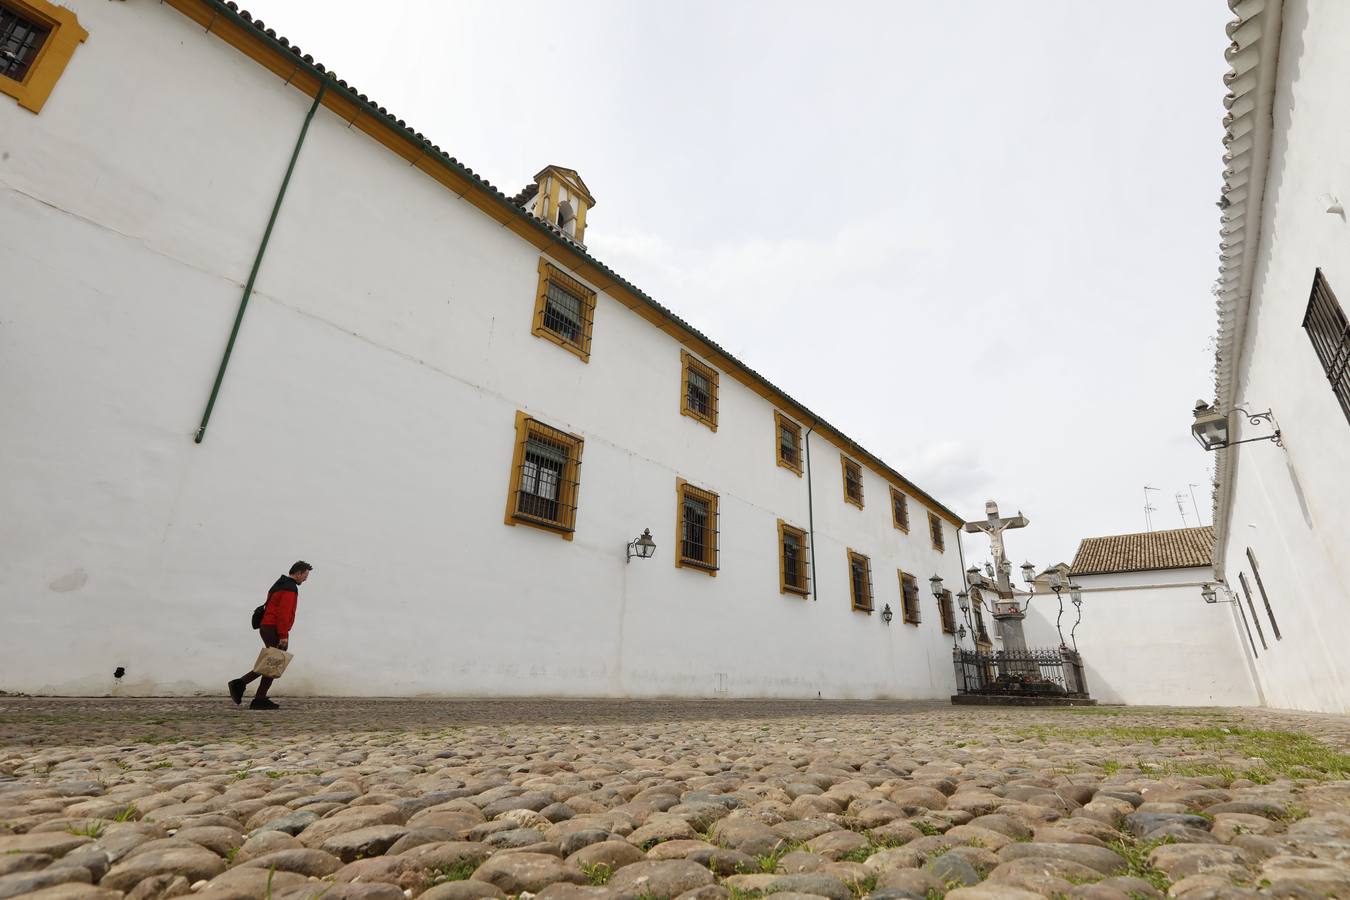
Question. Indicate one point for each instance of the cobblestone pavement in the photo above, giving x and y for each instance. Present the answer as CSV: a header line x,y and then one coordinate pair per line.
x,y
572,800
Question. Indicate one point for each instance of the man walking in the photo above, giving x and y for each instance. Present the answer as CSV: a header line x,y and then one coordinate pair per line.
x,y
275,630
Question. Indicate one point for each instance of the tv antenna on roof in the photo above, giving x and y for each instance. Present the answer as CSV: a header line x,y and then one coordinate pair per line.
x,y
1180,497
1198,520
1149,508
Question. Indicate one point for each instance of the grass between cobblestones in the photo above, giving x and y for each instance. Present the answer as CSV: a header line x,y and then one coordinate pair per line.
x,y
1271,754
1135,853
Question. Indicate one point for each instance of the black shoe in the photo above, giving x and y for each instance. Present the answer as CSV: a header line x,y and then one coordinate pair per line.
x,y
263,703
236,691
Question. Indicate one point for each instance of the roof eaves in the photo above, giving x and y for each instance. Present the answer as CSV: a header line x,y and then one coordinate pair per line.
x,y
231,10
1252,56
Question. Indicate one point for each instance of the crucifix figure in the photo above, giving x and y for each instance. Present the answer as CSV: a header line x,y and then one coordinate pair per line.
x,y
1007,613
994,526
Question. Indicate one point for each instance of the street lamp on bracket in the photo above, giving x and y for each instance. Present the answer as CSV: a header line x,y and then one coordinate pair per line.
x,y
1212,428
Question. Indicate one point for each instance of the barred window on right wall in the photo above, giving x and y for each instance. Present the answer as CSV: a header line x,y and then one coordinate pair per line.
x,y
935,532
1329,332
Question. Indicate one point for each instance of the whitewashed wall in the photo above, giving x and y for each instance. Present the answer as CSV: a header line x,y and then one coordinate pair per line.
x,y
1148,638
1292,506
366,425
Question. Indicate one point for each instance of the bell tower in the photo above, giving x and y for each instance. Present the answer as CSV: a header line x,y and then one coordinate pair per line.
x,y
562,199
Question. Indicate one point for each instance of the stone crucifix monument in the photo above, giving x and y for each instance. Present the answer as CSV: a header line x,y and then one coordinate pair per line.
x,y
1007,612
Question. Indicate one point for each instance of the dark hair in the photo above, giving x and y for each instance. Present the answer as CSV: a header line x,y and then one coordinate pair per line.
x,y
300,566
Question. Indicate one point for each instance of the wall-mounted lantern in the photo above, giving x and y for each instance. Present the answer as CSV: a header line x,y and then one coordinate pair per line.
x,y
643,547
1212,428
886,614
936,584
1212,596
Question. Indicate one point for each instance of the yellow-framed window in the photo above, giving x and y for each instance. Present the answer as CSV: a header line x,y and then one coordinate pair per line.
x,y
698,390
37,40
564,310
946,614
787,442
545,477
909,598
899,510
853,481
860,581
696,528
935,533
792,565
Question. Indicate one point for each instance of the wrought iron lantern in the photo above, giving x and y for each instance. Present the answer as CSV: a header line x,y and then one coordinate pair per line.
x,y
886,614
1028,572
1212,427
1212,596
963,600
936,584
643,547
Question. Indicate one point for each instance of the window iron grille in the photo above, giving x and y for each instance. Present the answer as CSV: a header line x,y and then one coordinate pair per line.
x,y
548,477
563,313
787,446
698,528
899,510
935,532
909,598
1329,332
788,442
946,613
698,385
1247,591
564,310
794,560
699,393
1247,628
853,484
860,581
1261,587
21,40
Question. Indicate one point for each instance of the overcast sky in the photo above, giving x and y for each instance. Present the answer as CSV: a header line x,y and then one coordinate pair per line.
x,y
979,237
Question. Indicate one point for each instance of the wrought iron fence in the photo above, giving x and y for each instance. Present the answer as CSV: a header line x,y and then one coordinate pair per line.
x,y
1020,672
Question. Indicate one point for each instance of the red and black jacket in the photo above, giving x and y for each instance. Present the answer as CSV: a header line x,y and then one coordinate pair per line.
x,y
279,611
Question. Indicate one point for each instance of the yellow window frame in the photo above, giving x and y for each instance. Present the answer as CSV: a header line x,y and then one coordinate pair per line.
x,y
854,556
64,36
935,533
850,465
689,361
781,422
901,523
908,615
551,274
785,529
709,564
947,613
569,489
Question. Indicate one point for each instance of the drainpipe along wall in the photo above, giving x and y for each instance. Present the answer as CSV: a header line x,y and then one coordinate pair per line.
x,y
810,513
257,264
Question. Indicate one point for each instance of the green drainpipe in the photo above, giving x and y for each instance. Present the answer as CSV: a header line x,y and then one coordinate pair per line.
x,y
257,263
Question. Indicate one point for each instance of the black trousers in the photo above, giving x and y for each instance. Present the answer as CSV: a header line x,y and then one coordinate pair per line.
x,y
268,633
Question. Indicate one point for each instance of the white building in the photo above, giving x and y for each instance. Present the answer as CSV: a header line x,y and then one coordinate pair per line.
x,y
1145,634
438,398
1282,515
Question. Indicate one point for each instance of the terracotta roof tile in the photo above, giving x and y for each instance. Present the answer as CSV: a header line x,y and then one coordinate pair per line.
x,y
1180,548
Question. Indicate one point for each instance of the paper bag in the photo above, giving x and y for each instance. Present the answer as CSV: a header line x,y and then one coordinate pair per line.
x,y
272,662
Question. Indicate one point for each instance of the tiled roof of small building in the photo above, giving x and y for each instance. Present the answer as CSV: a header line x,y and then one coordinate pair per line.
x,y
1180,548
